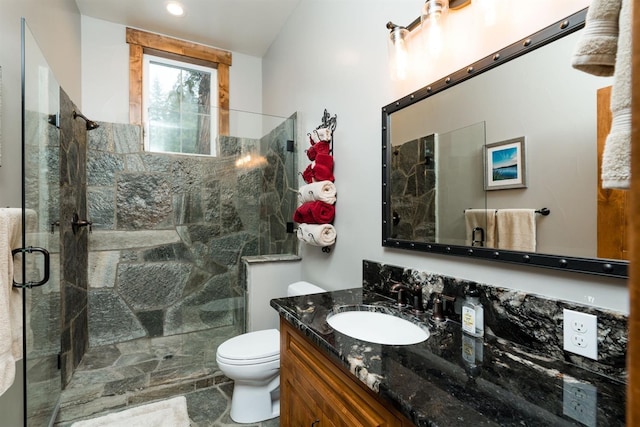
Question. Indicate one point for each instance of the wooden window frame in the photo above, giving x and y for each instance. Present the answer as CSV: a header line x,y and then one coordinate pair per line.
x,y
141,42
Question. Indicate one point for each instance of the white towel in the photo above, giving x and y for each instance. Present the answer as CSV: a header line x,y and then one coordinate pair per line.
x,y
10,297
324,191
321,134
516,229
616,165
595,52
317,234
485,219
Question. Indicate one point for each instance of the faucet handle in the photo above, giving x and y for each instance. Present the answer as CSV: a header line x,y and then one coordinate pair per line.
x,y
438,311
418,307
399,288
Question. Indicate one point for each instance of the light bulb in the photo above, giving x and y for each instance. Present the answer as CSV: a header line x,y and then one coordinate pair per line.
x,y
398,55
431,20
433,9
175,8
434,37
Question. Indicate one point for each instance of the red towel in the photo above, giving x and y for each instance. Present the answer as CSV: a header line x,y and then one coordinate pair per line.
x,y
320,170
311,153
323,168
317,212
307,175
321,147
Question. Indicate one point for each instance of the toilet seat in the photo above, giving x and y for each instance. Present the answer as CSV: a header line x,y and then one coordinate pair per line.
x,y
251,348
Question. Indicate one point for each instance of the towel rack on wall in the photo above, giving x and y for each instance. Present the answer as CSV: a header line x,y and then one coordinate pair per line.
x,y
541,211
320,153
330,123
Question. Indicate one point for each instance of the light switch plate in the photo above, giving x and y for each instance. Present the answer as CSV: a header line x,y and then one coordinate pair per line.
x,y
580,332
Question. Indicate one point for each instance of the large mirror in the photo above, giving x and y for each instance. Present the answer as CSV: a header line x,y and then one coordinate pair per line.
x,y
442,160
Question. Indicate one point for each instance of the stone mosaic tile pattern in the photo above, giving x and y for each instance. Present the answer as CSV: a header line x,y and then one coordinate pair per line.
x,y
170,230
114,377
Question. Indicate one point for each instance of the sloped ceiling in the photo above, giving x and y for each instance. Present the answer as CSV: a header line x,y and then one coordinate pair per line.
x,y
245,26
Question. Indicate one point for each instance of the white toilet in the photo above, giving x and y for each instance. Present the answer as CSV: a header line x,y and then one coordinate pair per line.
x,y
252,360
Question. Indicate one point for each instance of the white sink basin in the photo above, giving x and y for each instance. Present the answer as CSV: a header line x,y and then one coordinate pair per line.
x,y
377,327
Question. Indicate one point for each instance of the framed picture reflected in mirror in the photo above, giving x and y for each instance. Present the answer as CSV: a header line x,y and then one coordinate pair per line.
x,y
505,165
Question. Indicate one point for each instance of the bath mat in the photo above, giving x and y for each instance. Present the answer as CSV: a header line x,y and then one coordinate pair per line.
x,y
166,413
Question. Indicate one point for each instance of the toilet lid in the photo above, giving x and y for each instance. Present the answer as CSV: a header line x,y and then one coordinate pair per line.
x,y
259,347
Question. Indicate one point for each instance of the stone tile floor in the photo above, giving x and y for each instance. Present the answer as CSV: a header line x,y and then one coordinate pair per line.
x,y
114,377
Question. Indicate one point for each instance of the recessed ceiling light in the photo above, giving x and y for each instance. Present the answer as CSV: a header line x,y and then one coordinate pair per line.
x,y
175,8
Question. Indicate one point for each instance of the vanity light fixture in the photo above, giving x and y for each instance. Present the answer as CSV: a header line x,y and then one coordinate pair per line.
x,y
430,21
175,8
398,54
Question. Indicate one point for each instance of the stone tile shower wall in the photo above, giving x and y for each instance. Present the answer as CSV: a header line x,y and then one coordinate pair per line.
x,y
56,317
74,339
413,190
169,231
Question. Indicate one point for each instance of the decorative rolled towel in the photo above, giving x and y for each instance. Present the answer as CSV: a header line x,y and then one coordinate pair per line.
x,y
319,170
323,168
596,50
324,191
307,175
320,134
321,147
311,153
317,234
314,213
616,167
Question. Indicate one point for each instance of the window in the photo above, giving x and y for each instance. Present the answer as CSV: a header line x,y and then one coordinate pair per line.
x,y
179,106
192,56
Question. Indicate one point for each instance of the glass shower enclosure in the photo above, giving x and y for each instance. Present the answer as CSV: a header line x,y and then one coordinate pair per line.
x,y
40,185
158,252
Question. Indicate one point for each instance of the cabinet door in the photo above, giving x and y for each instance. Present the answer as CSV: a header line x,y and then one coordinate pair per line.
x,y
298,409
338,399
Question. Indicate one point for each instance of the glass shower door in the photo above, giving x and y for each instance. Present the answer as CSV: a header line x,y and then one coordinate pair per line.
x,y
40,199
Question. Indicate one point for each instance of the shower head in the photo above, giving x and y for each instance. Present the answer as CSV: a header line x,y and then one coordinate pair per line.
x,y
90,123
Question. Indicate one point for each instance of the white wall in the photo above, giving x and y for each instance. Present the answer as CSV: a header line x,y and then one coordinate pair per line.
x,y
333,55
105,74
56,26
265,281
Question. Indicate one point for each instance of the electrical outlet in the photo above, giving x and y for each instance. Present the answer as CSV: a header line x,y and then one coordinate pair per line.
x,y
578,325
579,341
580,332
580,401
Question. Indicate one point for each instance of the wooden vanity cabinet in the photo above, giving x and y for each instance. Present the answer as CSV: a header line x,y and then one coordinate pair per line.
x,y
314,391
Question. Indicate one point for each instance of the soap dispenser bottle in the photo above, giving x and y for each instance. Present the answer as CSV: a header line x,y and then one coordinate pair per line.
x,y
472,312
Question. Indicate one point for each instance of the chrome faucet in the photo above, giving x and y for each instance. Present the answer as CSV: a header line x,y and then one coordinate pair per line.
x,y
416,293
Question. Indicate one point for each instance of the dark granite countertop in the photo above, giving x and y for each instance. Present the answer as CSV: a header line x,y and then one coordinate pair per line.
x,y
452,379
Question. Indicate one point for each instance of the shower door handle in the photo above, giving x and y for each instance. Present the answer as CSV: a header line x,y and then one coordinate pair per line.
x,y
31,249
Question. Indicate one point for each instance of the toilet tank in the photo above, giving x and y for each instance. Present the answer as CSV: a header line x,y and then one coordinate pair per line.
x,y
303,288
